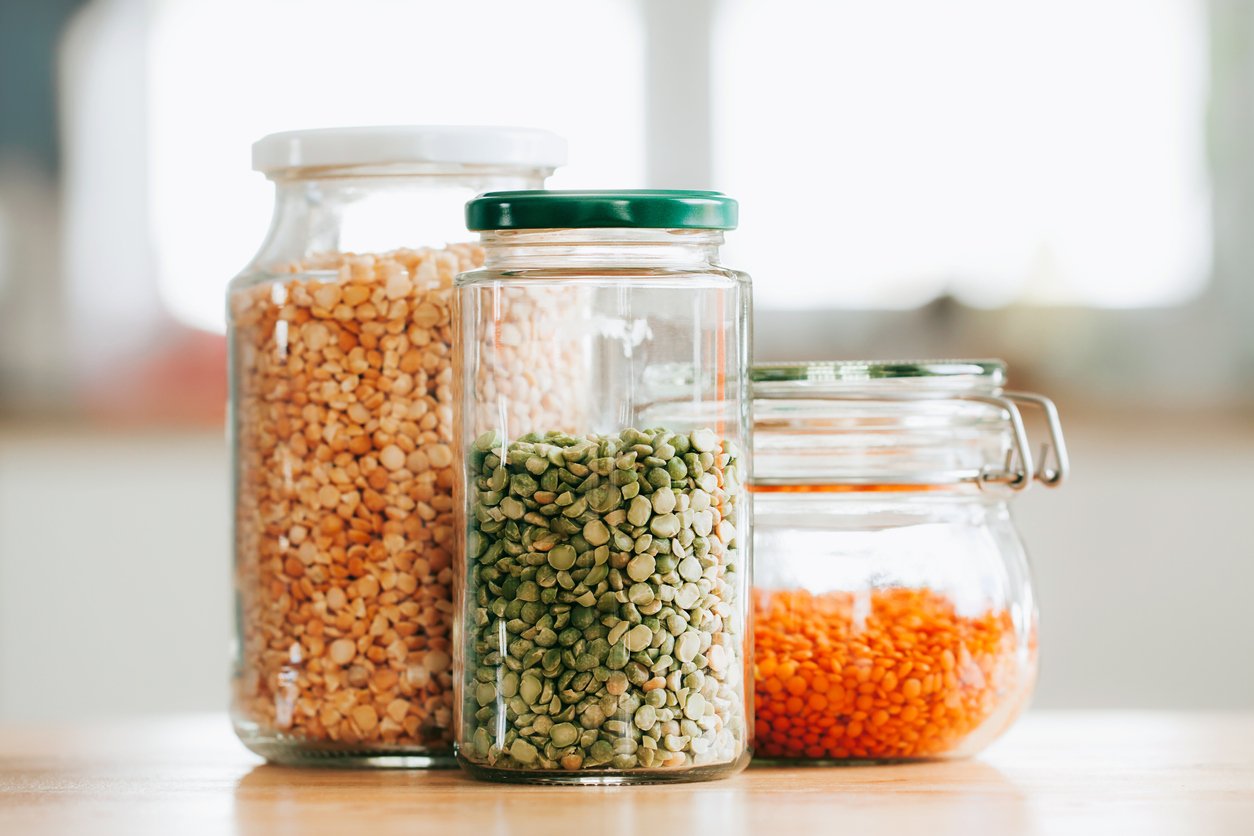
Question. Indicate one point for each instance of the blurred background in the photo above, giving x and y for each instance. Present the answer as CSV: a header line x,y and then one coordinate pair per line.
x,y
1067,185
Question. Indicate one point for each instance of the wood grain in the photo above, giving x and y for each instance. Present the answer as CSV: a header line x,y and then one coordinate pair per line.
x,y
1054,773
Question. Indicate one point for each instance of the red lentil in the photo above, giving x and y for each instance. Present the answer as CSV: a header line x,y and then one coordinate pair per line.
x,y
887,674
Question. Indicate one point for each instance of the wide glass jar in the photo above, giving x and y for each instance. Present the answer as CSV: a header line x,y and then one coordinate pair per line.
x,y
893,610
605,566
341,422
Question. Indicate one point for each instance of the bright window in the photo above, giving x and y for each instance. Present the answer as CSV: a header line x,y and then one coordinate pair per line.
x,y
886,153
225,73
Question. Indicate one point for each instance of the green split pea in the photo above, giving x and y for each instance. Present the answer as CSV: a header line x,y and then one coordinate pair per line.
x,y
606,602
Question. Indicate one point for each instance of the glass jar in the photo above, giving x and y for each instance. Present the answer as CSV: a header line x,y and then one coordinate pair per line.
x,y
606,556
893,610
341,411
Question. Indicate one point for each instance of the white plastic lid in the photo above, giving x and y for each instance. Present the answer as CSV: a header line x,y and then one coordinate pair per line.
x,y
465,144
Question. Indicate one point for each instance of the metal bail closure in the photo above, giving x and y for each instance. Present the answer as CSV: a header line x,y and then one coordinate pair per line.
x,y
1016,475
1050,477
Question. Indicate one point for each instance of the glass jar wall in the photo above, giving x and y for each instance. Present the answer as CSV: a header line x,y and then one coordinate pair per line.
x,y
893,610
606,556
342,437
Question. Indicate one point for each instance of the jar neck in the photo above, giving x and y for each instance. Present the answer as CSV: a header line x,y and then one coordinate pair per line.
x,y
533,248
378,208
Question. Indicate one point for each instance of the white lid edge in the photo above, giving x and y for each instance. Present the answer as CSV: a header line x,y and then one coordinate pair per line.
x,y
456,144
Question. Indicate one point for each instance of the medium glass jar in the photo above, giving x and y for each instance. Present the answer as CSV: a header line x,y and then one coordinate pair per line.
x,y
342,437
606,558
893,610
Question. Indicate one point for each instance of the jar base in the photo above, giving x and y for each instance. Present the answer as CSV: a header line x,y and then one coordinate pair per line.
x,y
286,750
608,778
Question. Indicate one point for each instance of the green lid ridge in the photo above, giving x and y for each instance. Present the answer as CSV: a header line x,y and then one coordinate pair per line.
x,y
601,209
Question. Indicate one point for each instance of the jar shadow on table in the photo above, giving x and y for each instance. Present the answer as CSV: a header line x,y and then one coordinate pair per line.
x,y
273,799
623,810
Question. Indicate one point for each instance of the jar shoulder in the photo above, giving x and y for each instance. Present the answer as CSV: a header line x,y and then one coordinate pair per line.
x,y
713,274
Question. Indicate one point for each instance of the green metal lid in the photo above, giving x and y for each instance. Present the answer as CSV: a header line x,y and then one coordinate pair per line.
x,y
622,208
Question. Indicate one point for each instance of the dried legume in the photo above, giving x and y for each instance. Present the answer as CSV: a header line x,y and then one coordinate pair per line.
x,y
886,674
344,509
592,586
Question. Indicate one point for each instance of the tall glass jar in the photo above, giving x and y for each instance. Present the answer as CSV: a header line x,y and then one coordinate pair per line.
x,y
893,610
606,557
342,437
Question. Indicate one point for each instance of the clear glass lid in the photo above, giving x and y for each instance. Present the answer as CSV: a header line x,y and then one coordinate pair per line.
x,y
874,425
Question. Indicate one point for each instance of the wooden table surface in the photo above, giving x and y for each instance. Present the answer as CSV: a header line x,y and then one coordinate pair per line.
x,y
1109,773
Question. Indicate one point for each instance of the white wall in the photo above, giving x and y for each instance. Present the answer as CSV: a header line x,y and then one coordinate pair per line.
x,y
1145,564
114,574
114,570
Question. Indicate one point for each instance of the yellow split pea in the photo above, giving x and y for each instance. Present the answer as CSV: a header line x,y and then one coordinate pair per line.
x,y
344,506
